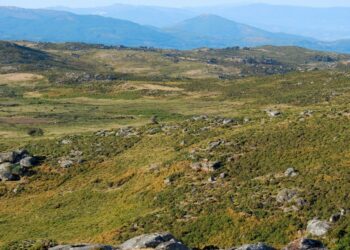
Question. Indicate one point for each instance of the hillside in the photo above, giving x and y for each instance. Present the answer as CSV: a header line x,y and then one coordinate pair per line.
x,y
220,147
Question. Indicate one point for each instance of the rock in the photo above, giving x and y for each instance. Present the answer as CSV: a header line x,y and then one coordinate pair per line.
x,y
286,195
335,218
305,244
273,113
147,241
300,202
290,172
307,113
206,166
154,120
65,163
223,175
318,227
82,247
211,179
167,181
66,142
6,172
215,144
228,121
258,246
8,157
200,118
28,162
171,245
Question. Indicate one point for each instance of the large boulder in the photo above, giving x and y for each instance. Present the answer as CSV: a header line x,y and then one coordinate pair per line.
x,y
6,172
172,245
318,227
305,244
28,162
8,157
150,241
258,246
82,247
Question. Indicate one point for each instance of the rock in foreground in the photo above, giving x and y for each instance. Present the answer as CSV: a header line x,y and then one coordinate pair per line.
x,y
160,241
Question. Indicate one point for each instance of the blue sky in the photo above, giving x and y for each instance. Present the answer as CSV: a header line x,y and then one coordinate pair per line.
x,y
169,3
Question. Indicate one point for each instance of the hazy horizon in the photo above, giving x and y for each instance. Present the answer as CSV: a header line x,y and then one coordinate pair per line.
x,y
173,3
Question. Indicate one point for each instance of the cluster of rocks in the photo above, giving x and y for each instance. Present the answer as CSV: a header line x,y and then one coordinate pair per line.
x,y
290,196
215,120
206,166
79,77
122,132
74,157
166,241
15,164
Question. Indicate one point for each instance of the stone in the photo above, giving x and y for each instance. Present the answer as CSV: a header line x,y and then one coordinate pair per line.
x,y
215,144
65,163
147,241
211,179
8,157
286,195
318,227
258,246
171,245
335,218
223,175
273,113
66,142
290,172
28,162
305,244
206,166
6,172
228,121
82,247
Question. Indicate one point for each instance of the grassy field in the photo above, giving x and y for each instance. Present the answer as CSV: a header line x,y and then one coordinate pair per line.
x,y
142,183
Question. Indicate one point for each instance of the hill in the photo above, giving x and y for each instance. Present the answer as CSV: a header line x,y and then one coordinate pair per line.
x,y
139,14
221,147
215,31
59,26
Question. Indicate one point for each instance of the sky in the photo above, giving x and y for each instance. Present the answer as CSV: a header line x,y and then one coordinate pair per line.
x,y
168,3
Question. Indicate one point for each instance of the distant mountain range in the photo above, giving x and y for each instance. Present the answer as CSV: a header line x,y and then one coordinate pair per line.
x,y
201,31
319,23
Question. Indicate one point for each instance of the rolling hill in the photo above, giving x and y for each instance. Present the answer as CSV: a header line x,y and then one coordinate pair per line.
x,y
202,31
60,26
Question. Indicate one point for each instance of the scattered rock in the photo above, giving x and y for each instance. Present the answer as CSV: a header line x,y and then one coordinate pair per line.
x,y
200,118
307,113
305,244
223,175
335,218
206,166
154,120
258,246
228,121
172,245
273,113
318,227
65,163
82,247
66,142
215,144
211,179
286,195
290,172
147,241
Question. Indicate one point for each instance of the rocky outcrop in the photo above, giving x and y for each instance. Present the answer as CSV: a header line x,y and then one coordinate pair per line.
x,y
82,247
15,164
305,244
318,227
159,241
258,246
